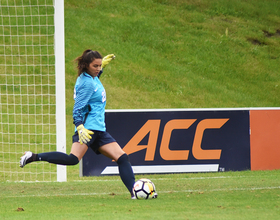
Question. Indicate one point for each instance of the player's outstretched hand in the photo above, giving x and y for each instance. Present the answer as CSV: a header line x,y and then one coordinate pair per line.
x,y
107,59
84,134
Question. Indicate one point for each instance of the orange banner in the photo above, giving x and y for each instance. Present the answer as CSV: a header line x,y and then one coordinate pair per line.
x,y
265,139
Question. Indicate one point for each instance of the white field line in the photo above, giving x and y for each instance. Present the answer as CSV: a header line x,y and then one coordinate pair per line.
x,y
223,190
153,179
116,180
159,192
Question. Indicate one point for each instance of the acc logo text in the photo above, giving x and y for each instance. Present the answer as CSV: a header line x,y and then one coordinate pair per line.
x,y
152,127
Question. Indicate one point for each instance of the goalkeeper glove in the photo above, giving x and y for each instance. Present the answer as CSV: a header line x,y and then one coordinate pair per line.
x,y
84,134
107,59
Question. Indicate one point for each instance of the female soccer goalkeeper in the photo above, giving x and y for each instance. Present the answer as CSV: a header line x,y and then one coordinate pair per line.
x,y
89,119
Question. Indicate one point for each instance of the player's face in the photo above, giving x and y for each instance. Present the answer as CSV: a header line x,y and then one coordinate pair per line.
x,y
94,67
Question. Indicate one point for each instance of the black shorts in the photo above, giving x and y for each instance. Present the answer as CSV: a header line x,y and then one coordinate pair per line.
x,y
98,139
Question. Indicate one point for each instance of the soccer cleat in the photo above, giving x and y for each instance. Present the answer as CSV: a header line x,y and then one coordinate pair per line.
x,y
154,196
132,195
24,159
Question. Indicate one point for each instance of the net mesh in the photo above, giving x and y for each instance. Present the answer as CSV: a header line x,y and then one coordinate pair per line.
x,y
27,87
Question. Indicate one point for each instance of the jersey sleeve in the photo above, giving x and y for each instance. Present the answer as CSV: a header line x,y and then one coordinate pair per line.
x,y
82,95
99,74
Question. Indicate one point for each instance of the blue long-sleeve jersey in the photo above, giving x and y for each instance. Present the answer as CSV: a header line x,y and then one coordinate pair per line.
x,y
90,102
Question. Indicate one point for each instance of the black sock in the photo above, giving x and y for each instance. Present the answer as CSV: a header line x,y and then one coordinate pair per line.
x,y
33,158
126,172
58,158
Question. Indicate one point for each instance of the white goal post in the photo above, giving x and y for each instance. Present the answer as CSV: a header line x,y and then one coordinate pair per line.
x,y
32,87
60,85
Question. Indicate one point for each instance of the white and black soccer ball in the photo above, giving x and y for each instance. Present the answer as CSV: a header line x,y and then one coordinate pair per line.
x,y
144,189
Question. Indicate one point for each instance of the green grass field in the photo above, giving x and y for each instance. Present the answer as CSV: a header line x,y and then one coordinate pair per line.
x,y
169,54
230,195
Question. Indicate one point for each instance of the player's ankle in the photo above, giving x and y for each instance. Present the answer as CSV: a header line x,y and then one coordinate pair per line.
x,y
34,157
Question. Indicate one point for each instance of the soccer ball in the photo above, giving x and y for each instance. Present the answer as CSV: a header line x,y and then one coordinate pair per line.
x,y
144,189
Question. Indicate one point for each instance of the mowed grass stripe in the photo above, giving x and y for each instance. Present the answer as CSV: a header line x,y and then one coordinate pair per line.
x,y
159,192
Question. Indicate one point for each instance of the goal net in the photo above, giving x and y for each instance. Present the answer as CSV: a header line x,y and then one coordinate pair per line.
x,y
28,110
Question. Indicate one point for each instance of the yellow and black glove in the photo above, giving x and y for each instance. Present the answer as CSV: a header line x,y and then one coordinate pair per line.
x,y
84,134
107,59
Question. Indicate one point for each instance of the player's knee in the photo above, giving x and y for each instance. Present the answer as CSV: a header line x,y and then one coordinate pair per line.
x,y
73,159
123,158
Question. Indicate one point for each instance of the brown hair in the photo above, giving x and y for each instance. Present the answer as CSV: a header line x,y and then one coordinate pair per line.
x,y
85,59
